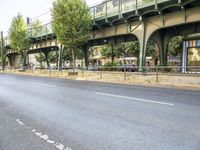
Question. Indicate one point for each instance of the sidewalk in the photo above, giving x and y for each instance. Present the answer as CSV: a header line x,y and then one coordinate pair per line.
x,y
181,81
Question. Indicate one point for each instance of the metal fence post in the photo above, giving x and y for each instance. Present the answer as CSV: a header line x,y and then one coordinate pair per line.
x,y
100,73
124,72
50,71
156,74
82,72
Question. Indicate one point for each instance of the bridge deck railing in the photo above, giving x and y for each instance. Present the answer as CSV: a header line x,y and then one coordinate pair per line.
x,y
101,11
40,31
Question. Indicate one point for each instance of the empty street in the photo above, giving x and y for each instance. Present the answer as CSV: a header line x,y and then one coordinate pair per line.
x,y
56,114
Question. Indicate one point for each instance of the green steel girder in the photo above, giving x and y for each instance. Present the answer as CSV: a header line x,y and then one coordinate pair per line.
x,y
170,6
187,2
147,9
47,49
110,39
150,11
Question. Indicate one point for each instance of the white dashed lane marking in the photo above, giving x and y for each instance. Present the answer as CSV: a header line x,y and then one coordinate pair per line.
x,y
19,122
43,84
46,138
133,98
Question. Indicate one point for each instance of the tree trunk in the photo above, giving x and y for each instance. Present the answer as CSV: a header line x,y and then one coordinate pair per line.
x,y
24,59
85,53
60,58
138,60
57,59
112,57
73,59
41,64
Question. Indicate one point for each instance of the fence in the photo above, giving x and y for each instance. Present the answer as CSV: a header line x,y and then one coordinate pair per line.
x,y
170,75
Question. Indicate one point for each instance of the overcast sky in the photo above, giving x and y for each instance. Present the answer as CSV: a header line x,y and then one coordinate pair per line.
x,y
28,8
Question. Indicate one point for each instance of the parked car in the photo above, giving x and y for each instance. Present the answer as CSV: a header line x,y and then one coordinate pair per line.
x,y
94,68
128,68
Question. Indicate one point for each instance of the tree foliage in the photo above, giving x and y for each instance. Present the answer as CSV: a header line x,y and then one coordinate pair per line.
x,y
151,49
52,57
175,46
132,48
36,28
71,23
111,51
19,40
126,49
40,57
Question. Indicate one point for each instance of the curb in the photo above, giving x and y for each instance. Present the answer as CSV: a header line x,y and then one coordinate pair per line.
x,y
155,85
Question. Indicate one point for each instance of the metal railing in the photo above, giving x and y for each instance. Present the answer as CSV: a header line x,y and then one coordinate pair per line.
x,y
40,31
102,11
152,74
117,7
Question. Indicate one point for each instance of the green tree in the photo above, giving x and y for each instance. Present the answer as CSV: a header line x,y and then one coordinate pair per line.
x,y
53,57
40,58
18,34
151,49
71,23
132,48
128,48
112,51
19,40
175,46
36,28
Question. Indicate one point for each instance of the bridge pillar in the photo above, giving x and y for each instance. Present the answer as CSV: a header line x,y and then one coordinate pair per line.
x,y
143,45
47,58
11,60
162,38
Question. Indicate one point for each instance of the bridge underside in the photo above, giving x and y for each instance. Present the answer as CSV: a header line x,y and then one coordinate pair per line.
x,y
43,50
113,40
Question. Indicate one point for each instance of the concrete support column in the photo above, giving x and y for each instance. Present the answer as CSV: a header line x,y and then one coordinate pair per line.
x,y
162,38
12,60
9,61
159,39
143,45
47,58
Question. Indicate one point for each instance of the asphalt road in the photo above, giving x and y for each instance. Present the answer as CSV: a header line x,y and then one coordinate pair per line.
x,y
55,114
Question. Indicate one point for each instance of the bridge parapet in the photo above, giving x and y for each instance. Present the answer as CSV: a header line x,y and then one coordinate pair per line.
x,y
112,8
40,31
104,11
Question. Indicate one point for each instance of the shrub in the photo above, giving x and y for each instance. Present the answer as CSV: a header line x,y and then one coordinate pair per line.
x,y
111,66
